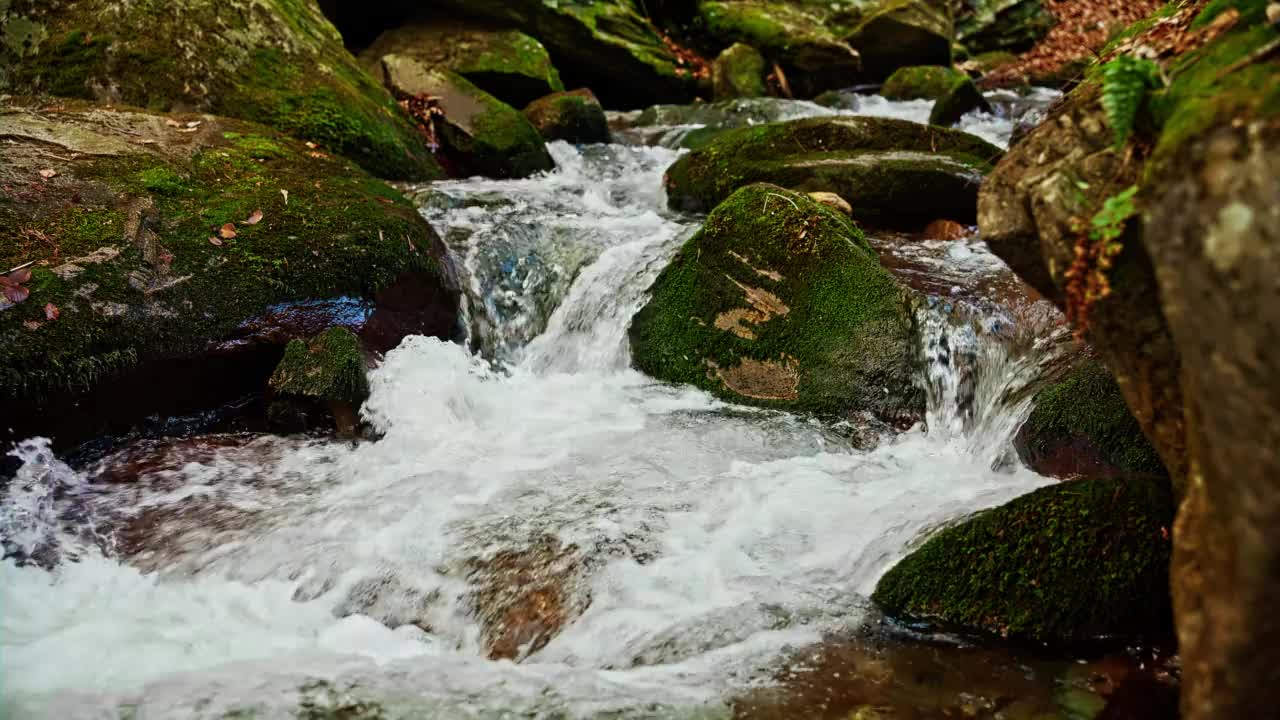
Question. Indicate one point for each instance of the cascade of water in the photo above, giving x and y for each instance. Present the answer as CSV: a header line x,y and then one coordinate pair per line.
x,y
677,544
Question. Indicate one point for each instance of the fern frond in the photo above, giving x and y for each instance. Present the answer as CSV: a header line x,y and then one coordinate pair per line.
x,y
1125,82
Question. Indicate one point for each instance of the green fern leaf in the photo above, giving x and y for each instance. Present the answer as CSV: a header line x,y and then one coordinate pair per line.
x,y
1125,82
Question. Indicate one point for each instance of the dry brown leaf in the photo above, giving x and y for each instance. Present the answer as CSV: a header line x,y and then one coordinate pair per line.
x,y
254,218
310,145
228,231
32,325
215,240
172,123
51,311
48,173
20,276
15,293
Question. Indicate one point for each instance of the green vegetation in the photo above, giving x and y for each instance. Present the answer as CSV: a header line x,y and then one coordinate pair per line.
x,y
329,366
1125,82
1067,563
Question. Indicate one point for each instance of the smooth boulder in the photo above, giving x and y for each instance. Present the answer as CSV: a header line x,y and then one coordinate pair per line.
x,y
954,92
277,62
1074,562
892,172
738,72
779,301
507,64
480,135
168,247
575,117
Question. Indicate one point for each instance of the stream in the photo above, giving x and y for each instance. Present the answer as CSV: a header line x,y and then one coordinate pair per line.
x,y
626,548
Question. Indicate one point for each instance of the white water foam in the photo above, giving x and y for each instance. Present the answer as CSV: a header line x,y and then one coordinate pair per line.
x,y
711,538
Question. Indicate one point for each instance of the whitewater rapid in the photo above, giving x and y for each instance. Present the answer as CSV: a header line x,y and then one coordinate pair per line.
x,y
266,576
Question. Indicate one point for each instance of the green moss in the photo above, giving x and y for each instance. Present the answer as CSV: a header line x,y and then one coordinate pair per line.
x,y
846,333
274,61
882,166
739,72
337,233
329,366
923,82
1088,404
573,117
1067,563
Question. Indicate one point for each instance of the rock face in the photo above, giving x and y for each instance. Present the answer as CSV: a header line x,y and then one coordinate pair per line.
x,y
1081,427
480,135
891,171
1002,25
278,62
738,72
811,54
1069,563
575,117
163,249
1188,327
779,301
507,64
326,371
954,92
607,45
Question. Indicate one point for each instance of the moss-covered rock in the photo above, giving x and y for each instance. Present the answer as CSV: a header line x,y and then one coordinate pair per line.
x,y
779,301
954,92
1081,426
278,62
738,72
892,171
812,56
1073,562
1002,25
480,134
575,117
507,64
607,45
962,98
326,371
890,34
148,243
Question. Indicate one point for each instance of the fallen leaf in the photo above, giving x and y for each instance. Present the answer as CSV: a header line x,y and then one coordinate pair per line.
x,y
48,173
285,193
15,293
228,231
310,145
20,276
32,325
195,123
215,240
254,218
317,154
172,123
166,257
51,311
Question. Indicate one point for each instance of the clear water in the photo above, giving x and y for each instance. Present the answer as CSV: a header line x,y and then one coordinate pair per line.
x,y
695,543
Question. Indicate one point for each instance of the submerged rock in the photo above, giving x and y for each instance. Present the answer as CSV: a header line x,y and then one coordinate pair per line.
x,y
778,301
1188,325
480,135
507,64
575,117
158,242
1073,562
738,72
326,371
276,62
607,45
1081,427
891,171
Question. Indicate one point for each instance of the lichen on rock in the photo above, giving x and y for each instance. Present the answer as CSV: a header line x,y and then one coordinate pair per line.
x,y
779,301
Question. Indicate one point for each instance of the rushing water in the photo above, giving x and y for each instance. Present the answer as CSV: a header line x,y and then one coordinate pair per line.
x,y
685,544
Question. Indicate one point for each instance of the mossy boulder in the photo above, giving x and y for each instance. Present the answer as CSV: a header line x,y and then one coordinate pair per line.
x,y
954,92
892,171
277,62
890,34
1081,427
480,134
986,26
779,301
1069,563
575,117
738,72
607,45
812,56
171,250
507,64
325,373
